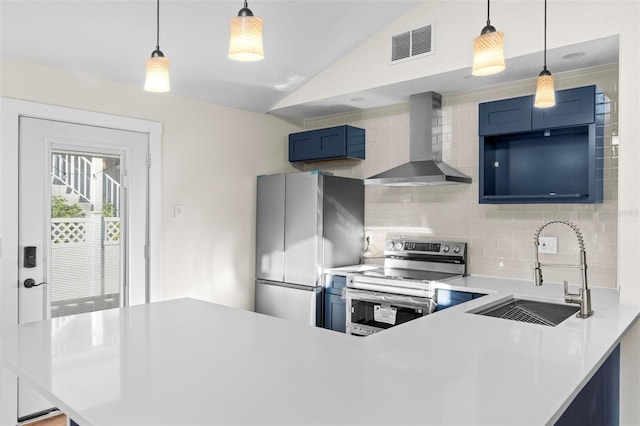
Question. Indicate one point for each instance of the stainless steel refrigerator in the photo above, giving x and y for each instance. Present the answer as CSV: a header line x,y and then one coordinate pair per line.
x,y
306,222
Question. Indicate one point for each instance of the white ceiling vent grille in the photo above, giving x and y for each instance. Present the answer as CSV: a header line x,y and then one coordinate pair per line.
x,y
401,46
416,42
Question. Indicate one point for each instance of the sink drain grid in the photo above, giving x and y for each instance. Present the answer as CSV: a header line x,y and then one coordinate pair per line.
x,y
516,313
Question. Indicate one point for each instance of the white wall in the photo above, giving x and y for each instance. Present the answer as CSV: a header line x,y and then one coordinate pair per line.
x,y
211,157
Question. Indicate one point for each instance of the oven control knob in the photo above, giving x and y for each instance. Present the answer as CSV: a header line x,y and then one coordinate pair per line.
x,y
399,245
445,249
456,249
390,245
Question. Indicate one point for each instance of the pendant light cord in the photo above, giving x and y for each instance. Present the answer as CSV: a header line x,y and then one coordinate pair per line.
x,y
545,35
488,10
158,25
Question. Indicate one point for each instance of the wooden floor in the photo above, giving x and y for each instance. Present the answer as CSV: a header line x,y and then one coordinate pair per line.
x,y
60,420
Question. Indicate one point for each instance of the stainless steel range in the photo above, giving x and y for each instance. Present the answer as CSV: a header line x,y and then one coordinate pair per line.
x,y
401,290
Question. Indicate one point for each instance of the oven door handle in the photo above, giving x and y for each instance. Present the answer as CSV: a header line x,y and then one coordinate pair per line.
x,y
381,286
379,297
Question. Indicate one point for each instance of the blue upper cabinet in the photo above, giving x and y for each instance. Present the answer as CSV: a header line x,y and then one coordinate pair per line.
x,y
327,144
573,107
557,159
505,116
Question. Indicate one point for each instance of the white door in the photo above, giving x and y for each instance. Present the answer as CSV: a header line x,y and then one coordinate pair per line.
x,y
83,229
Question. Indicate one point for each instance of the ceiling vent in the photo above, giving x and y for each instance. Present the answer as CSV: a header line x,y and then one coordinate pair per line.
x,y
416,42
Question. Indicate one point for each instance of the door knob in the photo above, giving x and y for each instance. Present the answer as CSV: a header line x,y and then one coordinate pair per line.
x,y
30,282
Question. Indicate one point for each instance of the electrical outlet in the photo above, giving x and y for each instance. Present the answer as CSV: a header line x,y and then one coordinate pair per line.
x,y
368,243
177,211
368,235
548,245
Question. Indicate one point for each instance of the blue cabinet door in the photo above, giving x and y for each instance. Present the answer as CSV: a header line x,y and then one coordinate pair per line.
x,y
334,306
335,312
598,403
505,116
302,146
335,283
331,142
573,107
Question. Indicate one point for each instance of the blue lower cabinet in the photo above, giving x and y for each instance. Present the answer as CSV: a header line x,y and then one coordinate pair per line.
x,y
335,315
335,312
335,283
448,298
598,403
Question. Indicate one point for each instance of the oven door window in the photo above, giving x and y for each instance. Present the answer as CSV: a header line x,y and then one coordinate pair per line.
x,y
375,312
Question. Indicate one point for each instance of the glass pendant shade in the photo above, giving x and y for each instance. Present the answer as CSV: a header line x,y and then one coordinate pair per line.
x,y
246,39
545,91
488,53
157,79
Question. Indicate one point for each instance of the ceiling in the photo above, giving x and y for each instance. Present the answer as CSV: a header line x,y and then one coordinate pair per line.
x,y
566,58
111,39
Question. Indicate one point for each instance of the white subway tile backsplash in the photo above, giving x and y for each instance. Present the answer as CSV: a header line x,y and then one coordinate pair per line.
x,y
500,237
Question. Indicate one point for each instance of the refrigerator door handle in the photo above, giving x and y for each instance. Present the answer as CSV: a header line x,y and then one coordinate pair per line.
x,y
288,285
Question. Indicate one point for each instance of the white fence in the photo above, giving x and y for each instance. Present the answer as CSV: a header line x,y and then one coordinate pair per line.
x,y
85,258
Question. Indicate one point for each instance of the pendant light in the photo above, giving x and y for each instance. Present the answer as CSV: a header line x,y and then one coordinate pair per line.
x,y
246,37
488,50
157,79
545,91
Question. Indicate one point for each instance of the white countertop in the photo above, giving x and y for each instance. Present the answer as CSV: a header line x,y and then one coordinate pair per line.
x,y
188,362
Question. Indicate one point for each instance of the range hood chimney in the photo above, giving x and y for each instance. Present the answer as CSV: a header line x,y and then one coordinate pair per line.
x,y
425,166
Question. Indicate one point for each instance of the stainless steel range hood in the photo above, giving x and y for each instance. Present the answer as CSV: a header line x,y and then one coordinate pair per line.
x,y
425,166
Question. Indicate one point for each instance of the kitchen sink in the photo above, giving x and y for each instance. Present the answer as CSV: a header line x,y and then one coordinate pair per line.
x,y
531,311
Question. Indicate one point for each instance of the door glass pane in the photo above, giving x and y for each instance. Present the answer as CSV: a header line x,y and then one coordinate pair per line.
x,y
85,244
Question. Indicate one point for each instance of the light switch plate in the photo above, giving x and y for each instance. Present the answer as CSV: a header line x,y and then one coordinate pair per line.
x,y
177,211
548,245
